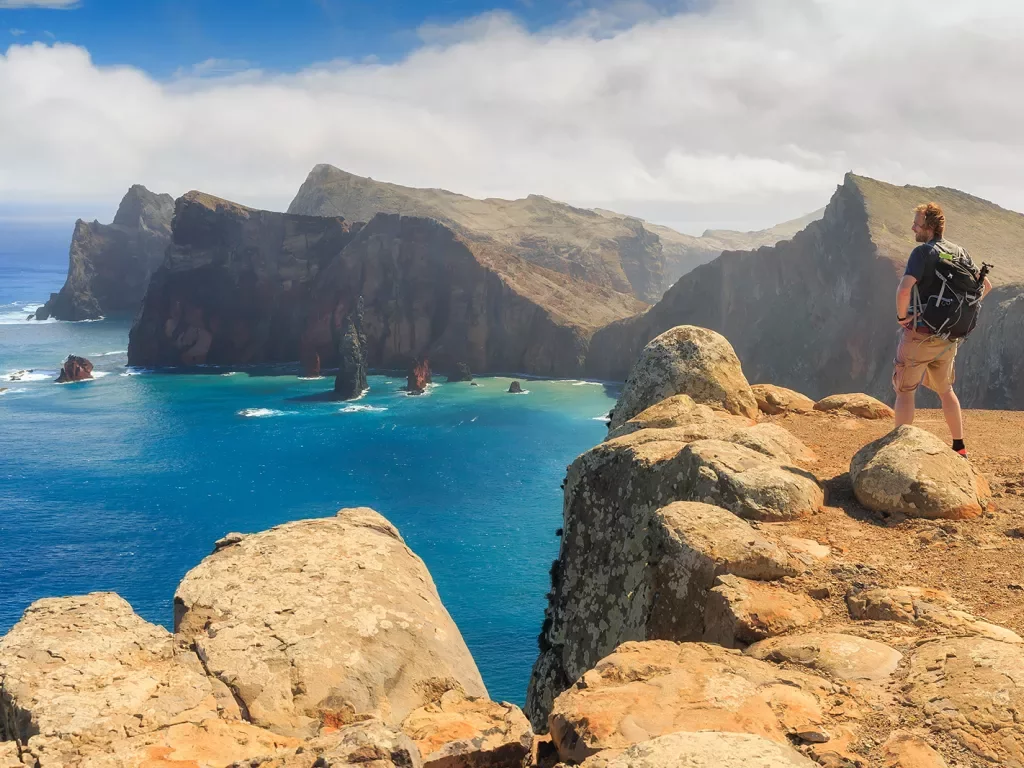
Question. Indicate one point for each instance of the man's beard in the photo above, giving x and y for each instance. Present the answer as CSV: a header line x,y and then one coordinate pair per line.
x,y
922,237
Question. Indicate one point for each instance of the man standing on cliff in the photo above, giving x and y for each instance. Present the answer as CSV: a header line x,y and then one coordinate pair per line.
x,y
923,356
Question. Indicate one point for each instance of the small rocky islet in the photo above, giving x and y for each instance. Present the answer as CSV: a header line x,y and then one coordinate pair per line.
x,y
688,623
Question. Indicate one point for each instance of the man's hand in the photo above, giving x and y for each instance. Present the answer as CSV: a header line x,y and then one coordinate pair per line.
x,y
907,322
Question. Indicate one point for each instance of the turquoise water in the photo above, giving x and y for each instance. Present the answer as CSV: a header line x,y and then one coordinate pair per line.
x,y
124,483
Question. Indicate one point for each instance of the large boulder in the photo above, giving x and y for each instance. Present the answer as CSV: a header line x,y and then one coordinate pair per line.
x,y
309,624
740,612
457,731
774,400
747,482
904,749
841,657
86,679
706,749
75,369
647,690
682,411
972,689
912,472
855,404
367,744
419,377
686,360
460,372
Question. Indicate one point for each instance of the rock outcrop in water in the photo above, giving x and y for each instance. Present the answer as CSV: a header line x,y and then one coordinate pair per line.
x,y
815,313
419,377
613,251
352,369
75,369
241,286
109,265
461,372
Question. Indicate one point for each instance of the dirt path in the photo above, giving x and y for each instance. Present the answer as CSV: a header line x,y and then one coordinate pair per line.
x,y
981,562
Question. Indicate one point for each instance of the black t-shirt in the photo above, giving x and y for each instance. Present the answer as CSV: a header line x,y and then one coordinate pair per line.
x,y
922,261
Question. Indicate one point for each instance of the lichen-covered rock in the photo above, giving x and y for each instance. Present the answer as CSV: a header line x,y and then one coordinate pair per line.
x,y
973,689
308,623
686,360
367,744
617,577
647,690
740,612
87,682
747,482
855,404
841,657
683,411
706,749
773,400
930,609
457,731
774,441
693,544
75,369
912,472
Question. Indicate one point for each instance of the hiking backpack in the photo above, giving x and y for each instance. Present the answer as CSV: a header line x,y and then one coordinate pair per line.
x,y
952,304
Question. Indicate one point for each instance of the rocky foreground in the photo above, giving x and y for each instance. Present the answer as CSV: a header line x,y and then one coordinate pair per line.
x,y
747,578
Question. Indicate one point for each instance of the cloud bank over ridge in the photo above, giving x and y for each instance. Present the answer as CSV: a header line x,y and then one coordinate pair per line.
x,y
743,111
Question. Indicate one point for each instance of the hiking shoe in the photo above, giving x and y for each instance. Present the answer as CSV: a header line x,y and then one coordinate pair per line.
x,y
962,452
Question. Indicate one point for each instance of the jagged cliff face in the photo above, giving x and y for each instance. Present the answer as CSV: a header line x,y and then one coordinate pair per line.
x,y
109,265
234,287
245,286
815,313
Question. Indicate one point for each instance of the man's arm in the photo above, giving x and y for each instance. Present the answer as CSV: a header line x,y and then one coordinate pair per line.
x,y
903,293
987,288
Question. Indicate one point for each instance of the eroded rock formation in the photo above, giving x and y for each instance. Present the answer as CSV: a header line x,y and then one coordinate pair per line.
x,y
75,369
350,381
248,610
109,265
419,377
241,286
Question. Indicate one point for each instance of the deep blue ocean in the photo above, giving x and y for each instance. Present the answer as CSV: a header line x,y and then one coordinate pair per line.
x,y
124,483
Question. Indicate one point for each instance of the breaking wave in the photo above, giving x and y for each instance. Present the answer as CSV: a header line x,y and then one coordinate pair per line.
x,y
260,413
362,409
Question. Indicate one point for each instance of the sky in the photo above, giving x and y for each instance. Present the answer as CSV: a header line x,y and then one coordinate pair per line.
x,y
691,113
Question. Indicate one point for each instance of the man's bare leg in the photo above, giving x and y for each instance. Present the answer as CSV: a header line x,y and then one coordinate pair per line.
x,y
951,410
904,408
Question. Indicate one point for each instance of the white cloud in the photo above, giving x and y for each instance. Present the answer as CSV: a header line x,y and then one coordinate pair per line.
x,y
58,4
14,32
744,112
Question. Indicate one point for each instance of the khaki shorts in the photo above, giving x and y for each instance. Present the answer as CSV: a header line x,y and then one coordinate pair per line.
x,y
923,358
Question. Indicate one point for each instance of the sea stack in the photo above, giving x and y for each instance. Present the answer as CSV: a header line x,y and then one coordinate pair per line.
x,y
419,377
515,388
109,265
351,379
461,372
75,369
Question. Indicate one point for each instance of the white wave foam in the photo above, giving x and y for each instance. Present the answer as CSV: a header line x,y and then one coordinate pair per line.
x,y
260,413
7,391
587,383
522,392
100,374
136,372
310,378
606,418
231,373
18,313
361,409
30,374
108,354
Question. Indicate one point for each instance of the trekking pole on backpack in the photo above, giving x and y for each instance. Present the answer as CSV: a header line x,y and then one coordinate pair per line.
x,y
983,273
